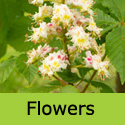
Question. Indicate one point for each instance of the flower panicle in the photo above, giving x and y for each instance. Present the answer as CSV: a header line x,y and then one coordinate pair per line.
x,y
73,24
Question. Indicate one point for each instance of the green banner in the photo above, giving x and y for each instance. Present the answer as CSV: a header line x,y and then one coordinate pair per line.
x,y
89,109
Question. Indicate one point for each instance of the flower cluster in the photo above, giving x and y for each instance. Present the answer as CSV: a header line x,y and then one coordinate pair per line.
x,y
72,22
55,62
62,14
92,26
85,5
95,62
44,31
78,18
79,37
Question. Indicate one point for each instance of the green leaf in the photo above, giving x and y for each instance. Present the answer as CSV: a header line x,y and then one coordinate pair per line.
x,y
55,83
17,32
14,82
4,26
117,7
28,72
115,49
11,12
104,19
83,71
69,76
56,43
107,29
41,89
3,46
6,69
47,20
26,7
98,4
69,89
48,3
8,8
102,86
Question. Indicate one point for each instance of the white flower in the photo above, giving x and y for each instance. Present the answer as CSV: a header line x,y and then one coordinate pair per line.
x,y
75,31
32,56
103,70
62,14
37,17
84,4
53,63
43,30
92,60
38,54
36,1
94,44
96,61
39,33
78,18
54,29
42,51
79,37
92,26
88,59
44,11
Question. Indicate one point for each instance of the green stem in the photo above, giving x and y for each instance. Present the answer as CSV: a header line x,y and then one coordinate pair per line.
x,y
78,66
56,1
65,48
73,52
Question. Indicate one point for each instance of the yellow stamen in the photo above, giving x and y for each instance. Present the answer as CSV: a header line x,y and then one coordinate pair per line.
x,y
55,63
81,40
67,17
46,67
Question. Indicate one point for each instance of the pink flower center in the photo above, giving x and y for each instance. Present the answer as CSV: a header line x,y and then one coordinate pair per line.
x,y
50,24
62,58
89,59
44,49
59,56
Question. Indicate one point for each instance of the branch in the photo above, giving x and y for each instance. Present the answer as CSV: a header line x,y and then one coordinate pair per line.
x,y
87,85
